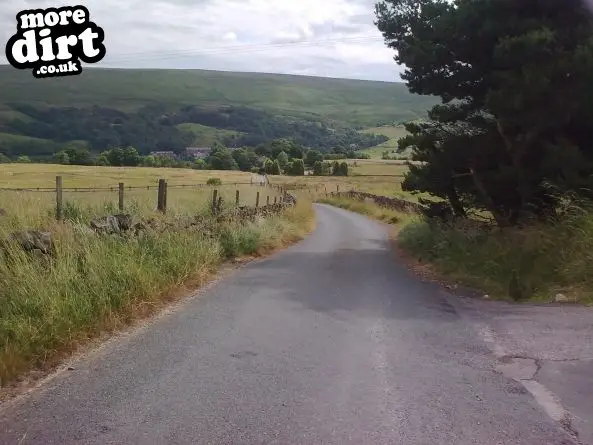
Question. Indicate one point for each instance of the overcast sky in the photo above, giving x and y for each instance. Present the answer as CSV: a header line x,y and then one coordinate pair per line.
x,y
334,38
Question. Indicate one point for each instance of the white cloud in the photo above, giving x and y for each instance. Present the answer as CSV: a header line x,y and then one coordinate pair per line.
x,y
334,38
229,36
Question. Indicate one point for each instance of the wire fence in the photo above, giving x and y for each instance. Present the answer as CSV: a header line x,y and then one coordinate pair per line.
x,y
116,188
37,205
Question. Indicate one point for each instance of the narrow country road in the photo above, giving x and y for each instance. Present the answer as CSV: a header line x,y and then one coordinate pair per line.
x,y
328,342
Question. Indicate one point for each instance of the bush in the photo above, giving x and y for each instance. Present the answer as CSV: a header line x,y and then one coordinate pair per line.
x,y
23,159
321,168
241,240
214,181
297,168
340,168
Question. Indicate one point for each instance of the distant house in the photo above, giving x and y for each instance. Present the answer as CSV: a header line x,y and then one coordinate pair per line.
x,y
163,154
198,152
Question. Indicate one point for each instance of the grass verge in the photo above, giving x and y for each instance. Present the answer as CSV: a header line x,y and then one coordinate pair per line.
x,y
530,264
98,284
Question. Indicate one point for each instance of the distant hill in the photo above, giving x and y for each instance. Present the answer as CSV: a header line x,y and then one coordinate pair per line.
x,y
156,110
356,102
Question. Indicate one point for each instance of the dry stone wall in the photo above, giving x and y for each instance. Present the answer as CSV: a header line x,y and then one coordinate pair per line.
x,y
400,205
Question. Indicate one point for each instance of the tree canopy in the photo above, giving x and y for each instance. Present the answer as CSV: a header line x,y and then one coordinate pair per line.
x,y
512,135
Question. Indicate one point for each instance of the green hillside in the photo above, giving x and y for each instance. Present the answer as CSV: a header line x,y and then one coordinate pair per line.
x,y
356,102
394,133
204,135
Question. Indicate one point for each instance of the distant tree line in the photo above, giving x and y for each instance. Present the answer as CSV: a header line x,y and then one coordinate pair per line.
x,y
154,128
280,156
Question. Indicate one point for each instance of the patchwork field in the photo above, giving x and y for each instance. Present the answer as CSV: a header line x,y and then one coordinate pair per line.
x,y
394,133
206,136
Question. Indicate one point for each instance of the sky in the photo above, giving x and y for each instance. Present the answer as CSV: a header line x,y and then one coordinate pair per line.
x,y
329,38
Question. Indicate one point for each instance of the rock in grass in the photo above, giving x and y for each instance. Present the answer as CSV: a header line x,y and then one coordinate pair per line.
x,y
34,241
112,223
125,221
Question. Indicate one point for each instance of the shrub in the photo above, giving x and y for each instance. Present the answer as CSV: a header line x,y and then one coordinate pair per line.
x,y
214,181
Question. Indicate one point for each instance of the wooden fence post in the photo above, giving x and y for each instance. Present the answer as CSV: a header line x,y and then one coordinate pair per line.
x,y
162,197
214,199
165,198
237,198
58,198
121,196
257,200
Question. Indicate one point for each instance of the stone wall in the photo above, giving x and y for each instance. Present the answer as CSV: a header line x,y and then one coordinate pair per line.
x,y
400,205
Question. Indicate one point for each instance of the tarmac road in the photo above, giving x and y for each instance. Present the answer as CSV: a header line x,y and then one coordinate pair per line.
x,y
328,342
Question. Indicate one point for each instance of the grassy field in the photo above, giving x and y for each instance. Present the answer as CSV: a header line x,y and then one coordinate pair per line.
x,y
386,176
394,133
33,207
7,113
367,167
8,137
365,175
206,136
354,101
95,284
44,175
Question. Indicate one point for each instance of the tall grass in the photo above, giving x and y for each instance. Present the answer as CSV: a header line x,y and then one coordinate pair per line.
x,y
537,262
99,283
